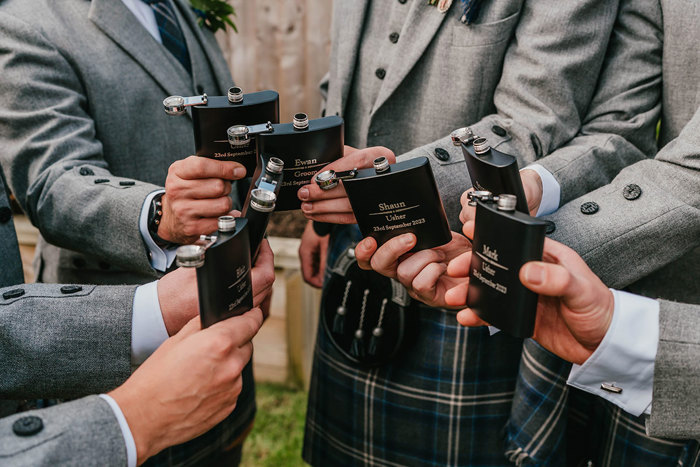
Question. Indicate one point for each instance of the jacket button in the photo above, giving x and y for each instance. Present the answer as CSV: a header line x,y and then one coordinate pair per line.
x,y
550,227
200,89
14,293
394,37
101,180
127,183
5,214
380,72
69,289
86,171
442,154
589,207
27,426
498,130
402,1
632,192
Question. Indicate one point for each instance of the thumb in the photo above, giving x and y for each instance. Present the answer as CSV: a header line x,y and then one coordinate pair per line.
x,y
468,230
192,326
548,279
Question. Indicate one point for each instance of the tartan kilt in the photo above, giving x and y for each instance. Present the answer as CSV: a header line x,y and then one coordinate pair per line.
x,y
202,450
553,424
445,401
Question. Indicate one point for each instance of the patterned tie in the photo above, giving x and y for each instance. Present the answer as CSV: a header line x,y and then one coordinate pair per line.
x,y
170,32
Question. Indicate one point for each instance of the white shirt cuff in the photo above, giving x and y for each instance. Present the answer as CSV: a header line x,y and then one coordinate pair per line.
x,y
159,258
148,329
551,190
625,357
126,432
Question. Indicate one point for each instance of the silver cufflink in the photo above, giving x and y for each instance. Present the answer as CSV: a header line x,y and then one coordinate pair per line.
x,y
610,387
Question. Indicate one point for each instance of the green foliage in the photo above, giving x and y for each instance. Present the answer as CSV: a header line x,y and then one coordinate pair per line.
x,y
214,14
278,433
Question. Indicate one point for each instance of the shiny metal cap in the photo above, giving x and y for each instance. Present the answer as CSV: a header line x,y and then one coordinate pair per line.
x,y
190,256
275,165
381,164
326,180
235,95
507,202
262,200
478,195
174,105
227,224
481,146
300,121
238,135
462,135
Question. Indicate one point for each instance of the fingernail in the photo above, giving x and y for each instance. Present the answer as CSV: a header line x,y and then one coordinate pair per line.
x,y
534,274
239,172
306,207
303,193
407,239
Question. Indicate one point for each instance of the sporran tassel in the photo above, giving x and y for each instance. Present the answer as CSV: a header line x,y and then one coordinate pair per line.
x,y
357,349
377,332
341,312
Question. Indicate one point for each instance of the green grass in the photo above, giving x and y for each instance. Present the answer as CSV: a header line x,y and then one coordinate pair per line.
x,y
277,437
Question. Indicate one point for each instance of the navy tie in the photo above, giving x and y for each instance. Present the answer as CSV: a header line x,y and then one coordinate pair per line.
x,y
170,32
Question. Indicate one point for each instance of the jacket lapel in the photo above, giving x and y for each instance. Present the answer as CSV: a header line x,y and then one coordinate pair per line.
x,y
349,18
421,26
211,48
120,25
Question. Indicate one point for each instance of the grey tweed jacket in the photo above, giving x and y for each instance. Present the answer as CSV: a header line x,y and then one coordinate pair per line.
x,y
644,232
523,78
81,101
52,345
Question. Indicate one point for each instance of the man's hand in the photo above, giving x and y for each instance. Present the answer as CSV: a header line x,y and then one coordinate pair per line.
x,y
574,310
333,206
189,384
312,253
196,194
422,273
532,186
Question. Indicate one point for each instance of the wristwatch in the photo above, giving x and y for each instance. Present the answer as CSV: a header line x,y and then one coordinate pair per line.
x,y
155,214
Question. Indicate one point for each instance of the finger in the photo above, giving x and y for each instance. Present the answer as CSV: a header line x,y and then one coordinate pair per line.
x,y
335,218
468,230
363,158
195,167
312,192
347,150
411,267
547,279
468,318
364,251
459,266
192,326
457,295
203,208
240,329
205,188
426,281
385,260
330,206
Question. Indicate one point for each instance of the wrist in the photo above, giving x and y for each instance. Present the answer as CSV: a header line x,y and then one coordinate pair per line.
x,y
178,298
156,225
138,421
532,184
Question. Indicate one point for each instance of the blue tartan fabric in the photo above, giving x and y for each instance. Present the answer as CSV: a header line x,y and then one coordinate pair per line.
x,y
552,424
444,402
170,32
209,448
